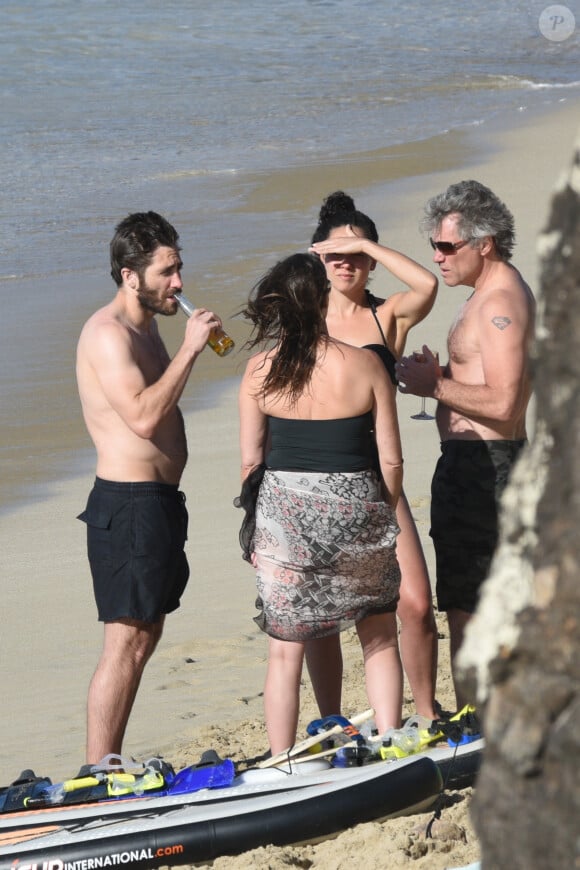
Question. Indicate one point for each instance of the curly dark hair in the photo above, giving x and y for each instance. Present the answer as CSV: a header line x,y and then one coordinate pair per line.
x,y
287,308
136,239
338,210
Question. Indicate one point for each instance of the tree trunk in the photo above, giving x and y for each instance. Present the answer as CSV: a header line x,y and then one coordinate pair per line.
x,y
521,656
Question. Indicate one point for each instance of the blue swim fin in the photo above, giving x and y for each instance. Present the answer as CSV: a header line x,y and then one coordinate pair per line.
x,y
210,772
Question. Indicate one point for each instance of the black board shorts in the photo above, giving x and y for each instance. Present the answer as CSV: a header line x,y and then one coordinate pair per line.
x,y
136,534
466,490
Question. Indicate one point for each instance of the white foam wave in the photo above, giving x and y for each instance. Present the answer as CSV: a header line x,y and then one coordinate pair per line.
x,y
535,86
516,82
191,173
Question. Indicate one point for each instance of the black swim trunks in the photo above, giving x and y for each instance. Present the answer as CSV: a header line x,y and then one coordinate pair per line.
x,y
469,480
136,535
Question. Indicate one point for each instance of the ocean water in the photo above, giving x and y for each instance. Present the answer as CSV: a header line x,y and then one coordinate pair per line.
x,y
190,108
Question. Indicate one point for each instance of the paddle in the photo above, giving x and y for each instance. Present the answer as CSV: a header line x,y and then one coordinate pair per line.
x,y
327,727
324,754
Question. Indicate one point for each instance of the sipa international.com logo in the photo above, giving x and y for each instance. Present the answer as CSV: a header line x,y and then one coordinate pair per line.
x,y
130,858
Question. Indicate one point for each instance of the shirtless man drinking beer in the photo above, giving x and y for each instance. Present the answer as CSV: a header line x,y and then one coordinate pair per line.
x,y
136,517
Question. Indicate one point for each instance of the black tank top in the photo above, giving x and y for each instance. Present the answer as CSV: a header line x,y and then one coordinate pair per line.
x,y
344,444
387,357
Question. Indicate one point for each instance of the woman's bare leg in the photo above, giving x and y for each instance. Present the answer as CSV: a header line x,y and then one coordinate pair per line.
x,y
282,692
324,663
383,671
418,639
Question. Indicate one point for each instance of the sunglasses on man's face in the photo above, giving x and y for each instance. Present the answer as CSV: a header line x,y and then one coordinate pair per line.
x,y
447,247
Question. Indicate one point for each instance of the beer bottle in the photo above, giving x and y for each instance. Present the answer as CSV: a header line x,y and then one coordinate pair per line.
x,y
218,340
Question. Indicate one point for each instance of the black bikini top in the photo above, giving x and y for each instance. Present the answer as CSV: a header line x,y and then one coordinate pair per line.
x,y
344,444
388,359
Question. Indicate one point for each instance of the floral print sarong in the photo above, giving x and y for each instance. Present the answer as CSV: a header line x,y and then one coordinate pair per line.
x,y
325,552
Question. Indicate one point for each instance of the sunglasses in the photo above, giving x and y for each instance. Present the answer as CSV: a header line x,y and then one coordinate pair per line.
x,y
447,247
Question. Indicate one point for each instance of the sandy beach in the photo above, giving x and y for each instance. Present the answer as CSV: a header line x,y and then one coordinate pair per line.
x,y
203,687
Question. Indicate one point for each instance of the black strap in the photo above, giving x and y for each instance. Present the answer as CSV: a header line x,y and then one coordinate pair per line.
x,y
373,306
467,725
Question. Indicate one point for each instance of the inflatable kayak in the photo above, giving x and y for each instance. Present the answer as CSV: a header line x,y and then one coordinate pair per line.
x,y
289,803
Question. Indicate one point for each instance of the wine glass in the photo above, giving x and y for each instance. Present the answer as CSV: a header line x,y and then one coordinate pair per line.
x,y
422,415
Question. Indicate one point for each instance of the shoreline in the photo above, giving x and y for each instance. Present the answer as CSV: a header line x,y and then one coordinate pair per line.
x,y
48,442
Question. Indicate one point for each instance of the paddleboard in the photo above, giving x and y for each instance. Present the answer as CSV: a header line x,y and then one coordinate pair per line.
x,y
286,804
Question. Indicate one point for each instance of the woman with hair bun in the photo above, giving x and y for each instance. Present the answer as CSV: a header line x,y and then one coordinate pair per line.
x,y
347,242
315,414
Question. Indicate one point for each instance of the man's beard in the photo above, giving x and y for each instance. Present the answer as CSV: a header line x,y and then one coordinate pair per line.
x,y
149,300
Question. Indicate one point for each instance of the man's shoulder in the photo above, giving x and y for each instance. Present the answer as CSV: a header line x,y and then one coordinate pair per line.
x,y
505,286
102,328
108,316
509,279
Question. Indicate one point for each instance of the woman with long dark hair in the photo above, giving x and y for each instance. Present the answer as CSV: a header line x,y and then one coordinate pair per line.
x,y
314,415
